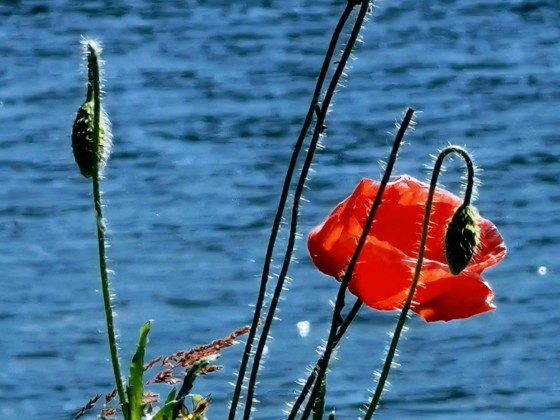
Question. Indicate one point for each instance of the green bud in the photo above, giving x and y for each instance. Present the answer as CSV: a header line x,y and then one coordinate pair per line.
x,y
82,140
91,153
461,238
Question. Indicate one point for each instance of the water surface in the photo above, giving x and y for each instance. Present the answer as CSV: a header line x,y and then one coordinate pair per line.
x,y
206,100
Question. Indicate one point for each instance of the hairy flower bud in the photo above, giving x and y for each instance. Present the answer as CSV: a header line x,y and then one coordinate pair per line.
x,y
461,238
89,157
82,140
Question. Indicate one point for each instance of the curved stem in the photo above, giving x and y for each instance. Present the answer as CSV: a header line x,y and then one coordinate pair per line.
x,y
278,217
406,307
470,174
319,127
94,85
337,324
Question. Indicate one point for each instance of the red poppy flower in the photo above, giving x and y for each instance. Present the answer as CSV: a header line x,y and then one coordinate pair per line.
x,y
384,270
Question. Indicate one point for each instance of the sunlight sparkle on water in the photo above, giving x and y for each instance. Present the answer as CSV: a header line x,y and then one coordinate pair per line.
x,y
303,328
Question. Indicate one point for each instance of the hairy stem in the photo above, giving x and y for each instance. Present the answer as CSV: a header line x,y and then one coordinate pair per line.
x,y
319,127
94,84
406,307
339,326
278,217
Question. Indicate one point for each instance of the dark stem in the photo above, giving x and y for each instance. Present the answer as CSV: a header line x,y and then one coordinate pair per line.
x,y
281,205
470,174
313,375
299,190
406,307
332,340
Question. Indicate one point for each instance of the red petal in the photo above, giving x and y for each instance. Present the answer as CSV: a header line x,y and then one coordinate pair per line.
x,y
446,297
382,276
491,248
400,216
383,273
332,243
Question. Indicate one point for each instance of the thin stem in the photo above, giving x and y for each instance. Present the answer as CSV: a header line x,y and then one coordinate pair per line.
x,y
281,205
93,76
337,324
319,127
470,174
313,374
406,307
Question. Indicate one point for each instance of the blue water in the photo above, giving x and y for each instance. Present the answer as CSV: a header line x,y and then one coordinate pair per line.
x,y
206,100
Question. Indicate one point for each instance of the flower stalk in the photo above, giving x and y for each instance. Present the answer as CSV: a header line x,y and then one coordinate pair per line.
x,y
91,139
319,128
462,233
406,307
313,108
338,325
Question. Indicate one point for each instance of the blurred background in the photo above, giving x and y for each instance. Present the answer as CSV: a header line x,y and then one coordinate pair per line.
x,y
206,100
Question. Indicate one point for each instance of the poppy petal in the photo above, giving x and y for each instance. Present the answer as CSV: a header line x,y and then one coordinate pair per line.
x,y
382,276
491,248
452,297
332,243
384,269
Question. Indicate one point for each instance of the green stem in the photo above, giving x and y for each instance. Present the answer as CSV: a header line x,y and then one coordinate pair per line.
x,y
406,307
94,85
338,326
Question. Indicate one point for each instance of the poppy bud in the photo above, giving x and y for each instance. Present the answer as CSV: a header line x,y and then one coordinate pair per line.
x,y
83,136
82,140
461,238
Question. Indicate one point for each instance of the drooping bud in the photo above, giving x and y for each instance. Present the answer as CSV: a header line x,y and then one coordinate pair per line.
x,y
461,238
87,156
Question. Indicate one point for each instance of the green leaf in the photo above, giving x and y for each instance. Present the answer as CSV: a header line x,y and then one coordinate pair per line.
x,y
135,381
171,395
166,412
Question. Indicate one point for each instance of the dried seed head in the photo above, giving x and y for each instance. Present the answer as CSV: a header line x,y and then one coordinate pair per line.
x,y
461,238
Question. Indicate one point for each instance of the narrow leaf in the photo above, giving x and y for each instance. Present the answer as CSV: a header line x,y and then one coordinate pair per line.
x,y
135,382
171,395
166,412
